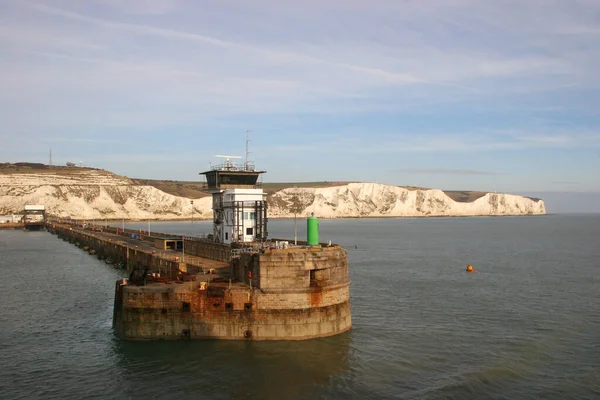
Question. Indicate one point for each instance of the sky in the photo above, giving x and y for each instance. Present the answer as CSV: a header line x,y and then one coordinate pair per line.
x,y
451,94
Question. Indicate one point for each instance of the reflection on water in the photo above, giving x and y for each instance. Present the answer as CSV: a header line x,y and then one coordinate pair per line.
x,y
233,369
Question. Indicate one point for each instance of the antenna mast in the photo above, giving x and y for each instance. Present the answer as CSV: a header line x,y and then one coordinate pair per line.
x,y
247,152
50,156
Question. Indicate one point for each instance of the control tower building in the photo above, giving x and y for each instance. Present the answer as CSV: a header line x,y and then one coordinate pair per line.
x,y
239,205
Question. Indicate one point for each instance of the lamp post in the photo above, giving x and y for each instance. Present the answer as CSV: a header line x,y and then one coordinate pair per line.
x,y
192,203
296,207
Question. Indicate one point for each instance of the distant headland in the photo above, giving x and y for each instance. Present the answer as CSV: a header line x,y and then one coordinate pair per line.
x,y
91,193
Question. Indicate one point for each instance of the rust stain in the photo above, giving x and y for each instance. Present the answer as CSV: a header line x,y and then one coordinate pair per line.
x,y
316,296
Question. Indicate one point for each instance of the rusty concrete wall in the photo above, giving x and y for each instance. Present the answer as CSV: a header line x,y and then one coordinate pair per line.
x,y
171,311
196,247
119,252
291,268
311,298
143,234
240,266
277,269
205,249
8,226
285,301
293,305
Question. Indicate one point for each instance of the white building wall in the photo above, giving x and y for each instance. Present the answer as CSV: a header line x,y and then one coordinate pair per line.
x,y
247,222
34,207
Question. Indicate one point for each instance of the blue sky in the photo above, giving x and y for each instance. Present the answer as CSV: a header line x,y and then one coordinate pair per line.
x,y
452,94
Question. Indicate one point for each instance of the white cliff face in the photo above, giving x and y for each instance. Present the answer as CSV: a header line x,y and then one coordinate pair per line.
x,y
98,194
95,195
376,200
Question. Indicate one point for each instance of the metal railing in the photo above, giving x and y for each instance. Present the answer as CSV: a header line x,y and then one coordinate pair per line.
x,y
231,166
244,250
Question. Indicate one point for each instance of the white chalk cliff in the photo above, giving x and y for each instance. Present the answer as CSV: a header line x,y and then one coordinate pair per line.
x,y
376,200
98,194
94,194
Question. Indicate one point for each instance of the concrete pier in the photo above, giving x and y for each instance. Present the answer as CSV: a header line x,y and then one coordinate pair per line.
x,y
11,226
132,250
260,293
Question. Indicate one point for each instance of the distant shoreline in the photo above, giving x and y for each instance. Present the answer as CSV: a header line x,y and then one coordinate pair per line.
x,y
322,218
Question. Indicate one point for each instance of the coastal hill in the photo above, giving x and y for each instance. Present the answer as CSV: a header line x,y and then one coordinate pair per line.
x,y
196,189
90,193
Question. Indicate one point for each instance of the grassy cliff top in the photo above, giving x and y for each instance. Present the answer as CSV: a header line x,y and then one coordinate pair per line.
x,y
195,189
38,168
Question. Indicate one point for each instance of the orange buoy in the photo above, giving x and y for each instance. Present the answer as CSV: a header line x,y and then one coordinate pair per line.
x,y
470,268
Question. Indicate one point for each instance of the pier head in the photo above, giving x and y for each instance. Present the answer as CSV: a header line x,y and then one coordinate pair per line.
x,y
263,289
276,294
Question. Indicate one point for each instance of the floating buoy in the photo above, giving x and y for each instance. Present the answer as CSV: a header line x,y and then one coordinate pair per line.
x,y
470,268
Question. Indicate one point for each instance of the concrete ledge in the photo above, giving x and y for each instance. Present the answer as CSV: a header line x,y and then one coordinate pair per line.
x,y
311,289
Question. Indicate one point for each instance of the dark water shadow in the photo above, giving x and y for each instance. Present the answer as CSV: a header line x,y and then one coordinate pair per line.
x,y
231,369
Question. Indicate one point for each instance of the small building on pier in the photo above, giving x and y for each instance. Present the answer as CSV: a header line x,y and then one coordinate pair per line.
x,y
168,243
34,217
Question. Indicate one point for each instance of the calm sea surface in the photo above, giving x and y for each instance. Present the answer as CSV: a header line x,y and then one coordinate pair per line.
x,y
526,326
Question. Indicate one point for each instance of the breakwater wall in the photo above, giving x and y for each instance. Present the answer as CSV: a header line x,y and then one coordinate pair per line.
x,y
122,253
293,293
194,246
11,226
215,311
278,294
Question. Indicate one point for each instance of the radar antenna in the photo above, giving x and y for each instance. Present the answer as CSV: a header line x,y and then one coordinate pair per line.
x,y
228,163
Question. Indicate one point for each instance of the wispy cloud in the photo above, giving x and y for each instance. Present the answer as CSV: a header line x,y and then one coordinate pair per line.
x,y
275,55
294,148
447,171
152,7
361,79
128,27
403,142
83,140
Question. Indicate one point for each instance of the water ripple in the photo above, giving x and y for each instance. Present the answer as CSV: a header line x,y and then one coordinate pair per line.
x,y
523,327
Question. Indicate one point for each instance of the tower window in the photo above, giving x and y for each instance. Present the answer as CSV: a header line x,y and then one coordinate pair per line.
x,y
249,231
226,235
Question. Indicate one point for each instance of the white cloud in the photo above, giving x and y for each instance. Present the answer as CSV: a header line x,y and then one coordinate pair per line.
x,y
446,171
155,7
360,142
159,63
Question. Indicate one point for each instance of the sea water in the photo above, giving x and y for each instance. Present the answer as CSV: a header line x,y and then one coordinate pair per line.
x,y
527,325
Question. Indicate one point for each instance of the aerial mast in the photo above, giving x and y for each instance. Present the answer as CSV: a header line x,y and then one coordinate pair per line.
x,y
247,152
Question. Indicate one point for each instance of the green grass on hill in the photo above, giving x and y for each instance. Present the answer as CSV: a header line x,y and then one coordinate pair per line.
x,y
38,168
197,189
